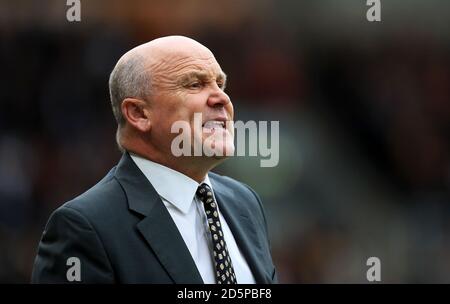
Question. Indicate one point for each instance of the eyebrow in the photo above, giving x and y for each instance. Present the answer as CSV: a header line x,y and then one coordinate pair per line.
x,y
203,76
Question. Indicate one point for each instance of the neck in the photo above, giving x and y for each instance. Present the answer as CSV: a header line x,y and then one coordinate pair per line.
x,y
194,167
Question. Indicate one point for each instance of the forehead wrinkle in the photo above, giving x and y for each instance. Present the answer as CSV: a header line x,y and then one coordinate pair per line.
x,y
196,64
186,68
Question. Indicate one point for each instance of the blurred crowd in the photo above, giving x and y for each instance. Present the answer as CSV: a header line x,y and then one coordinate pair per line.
x,y
364,129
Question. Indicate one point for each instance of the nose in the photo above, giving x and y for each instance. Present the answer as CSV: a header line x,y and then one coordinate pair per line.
x,y
218,98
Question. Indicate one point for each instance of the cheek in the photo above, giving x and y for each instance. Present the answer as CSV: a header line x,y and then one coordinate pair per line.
x,y
181,106
173,109
195,104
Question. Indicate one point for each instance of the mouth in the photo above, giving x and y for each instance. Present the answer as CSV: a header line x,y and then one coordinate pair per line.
x,y
214,125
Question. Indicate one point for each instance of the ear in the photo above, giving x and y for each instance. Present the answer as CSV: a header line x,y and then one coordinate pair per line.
x,y
136,113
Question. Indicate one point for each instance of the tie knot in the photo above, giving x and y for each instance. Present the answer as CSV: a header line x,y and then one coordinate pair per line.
x,y
204,192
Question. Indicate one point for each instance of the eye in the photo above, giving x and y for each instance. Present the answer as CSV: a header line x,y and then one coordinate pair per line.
x,y
221,84
195,85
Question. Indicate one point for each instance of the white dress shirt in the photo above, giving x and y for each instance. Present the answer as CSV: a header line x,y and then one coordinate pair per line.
x,y
177,192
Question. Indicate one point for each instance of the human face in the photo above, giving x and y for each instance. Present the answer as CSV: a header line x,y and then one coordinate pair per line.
x,y
192,82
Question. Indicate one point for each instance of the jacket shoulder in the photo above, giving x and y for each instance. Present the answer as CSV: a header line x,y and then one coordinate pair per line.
x,y
100,200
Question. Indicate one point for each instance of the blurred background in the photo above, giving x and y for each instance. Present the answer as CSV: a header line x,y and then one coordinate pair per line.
x,y
364,112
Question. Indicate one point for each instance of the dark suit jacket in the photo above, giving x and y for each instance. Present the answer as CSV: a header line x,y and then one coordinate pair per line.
x,y
122,233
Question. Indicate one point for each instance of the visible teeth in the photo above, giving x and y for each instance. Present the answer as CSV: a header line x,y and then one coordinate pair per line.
x,y
214,124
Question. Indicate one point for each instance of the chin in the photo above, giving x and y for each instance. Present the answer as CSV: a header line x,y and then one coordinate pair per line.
x,y
218,147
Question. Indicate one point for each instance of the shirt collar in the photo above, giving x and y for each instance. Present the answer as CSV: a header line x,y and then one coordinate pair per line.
x,y
175,187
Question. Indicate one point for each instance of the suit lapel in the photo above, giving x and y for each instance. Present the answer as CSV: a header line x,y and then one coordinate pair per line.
x,y
157,227
243,229
169,246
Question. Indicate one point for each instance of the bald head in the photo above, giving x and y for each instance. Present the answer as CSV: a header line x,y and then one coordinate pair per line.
x,y
163,50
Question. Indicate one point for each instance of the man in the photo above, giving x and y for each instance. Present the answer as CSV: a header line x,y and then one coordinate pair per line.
x,y
157,217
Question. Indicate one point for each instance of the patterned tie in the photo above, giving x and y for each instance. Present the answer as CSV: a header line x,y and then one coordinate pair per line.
x,y
222,261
